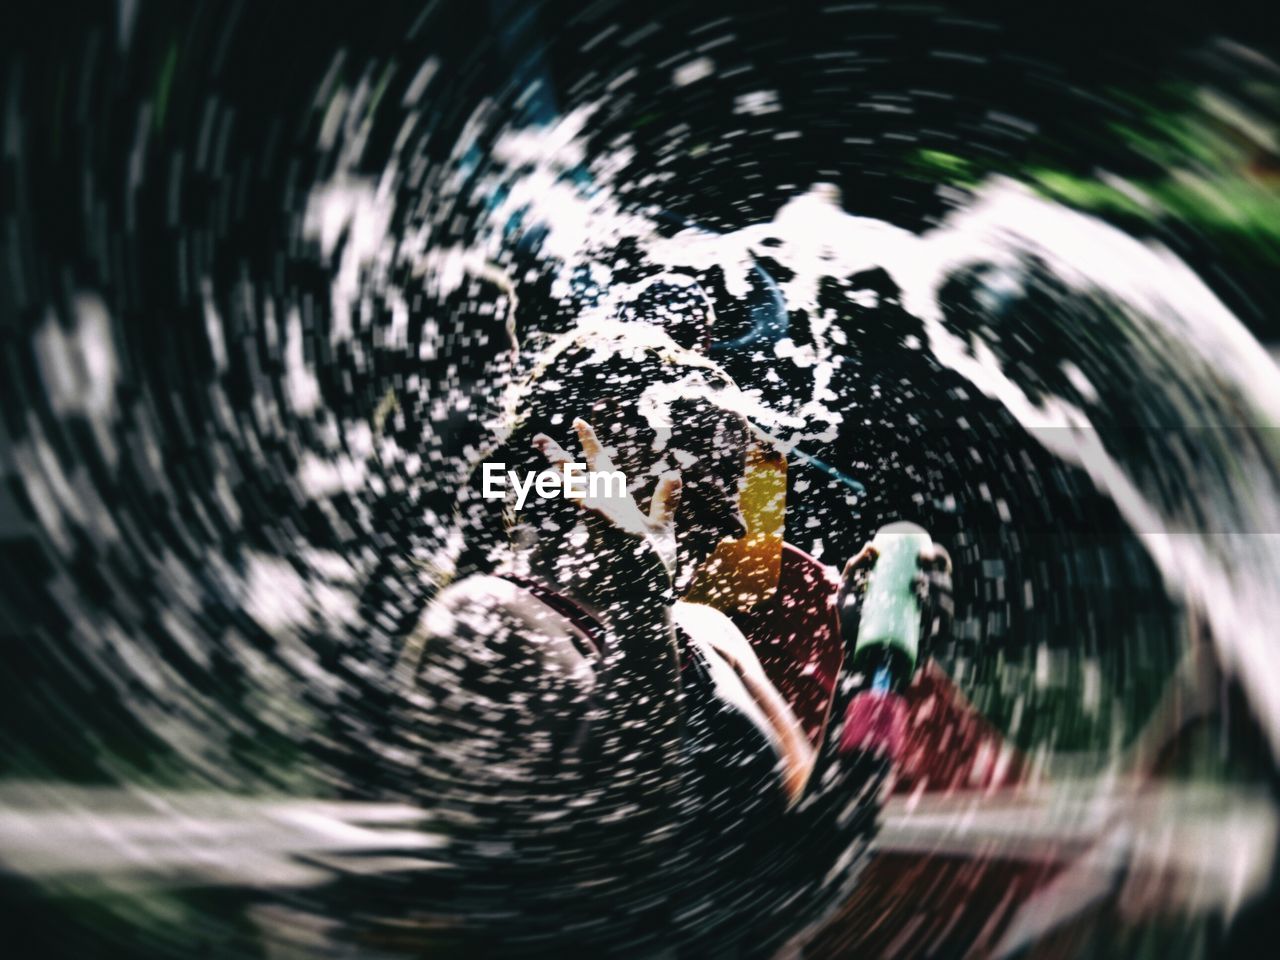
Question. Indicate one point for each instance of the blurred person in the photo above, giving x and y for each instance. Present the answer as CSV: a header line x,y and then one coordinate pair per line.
x,y
615,764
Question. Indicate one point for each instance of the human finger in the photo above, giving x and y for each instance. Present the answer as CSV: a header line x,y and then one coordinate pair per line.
x,y
864,557
935,558
597,460
666,499
556,455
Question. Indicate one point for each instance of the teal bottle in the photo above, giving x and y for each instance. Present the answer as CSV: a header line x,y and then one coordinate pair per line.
x,y
888,638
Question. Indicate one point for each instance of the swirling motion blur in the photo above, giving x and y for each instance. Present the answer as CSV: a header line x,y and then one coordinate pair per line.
x,y
270,274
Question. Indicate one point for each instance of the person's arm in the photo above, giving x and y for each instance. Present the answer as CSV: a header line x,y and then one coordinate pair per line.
x,y
557,782
823,840
512,702
503,705
500,686
624,570
752,691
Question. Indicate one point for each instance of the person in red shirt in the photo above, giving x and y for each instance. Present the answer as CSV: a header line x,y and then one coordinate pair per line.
x,y
593,738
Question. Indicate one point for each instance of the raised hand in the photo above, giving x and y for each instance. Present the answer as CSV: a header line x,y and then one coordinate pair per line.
x,y
853,579
620,513
932,586
934,589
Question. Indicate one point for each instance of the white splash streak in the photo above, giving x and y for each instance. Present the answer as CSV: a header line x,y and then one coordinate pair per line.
x,y
584,224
